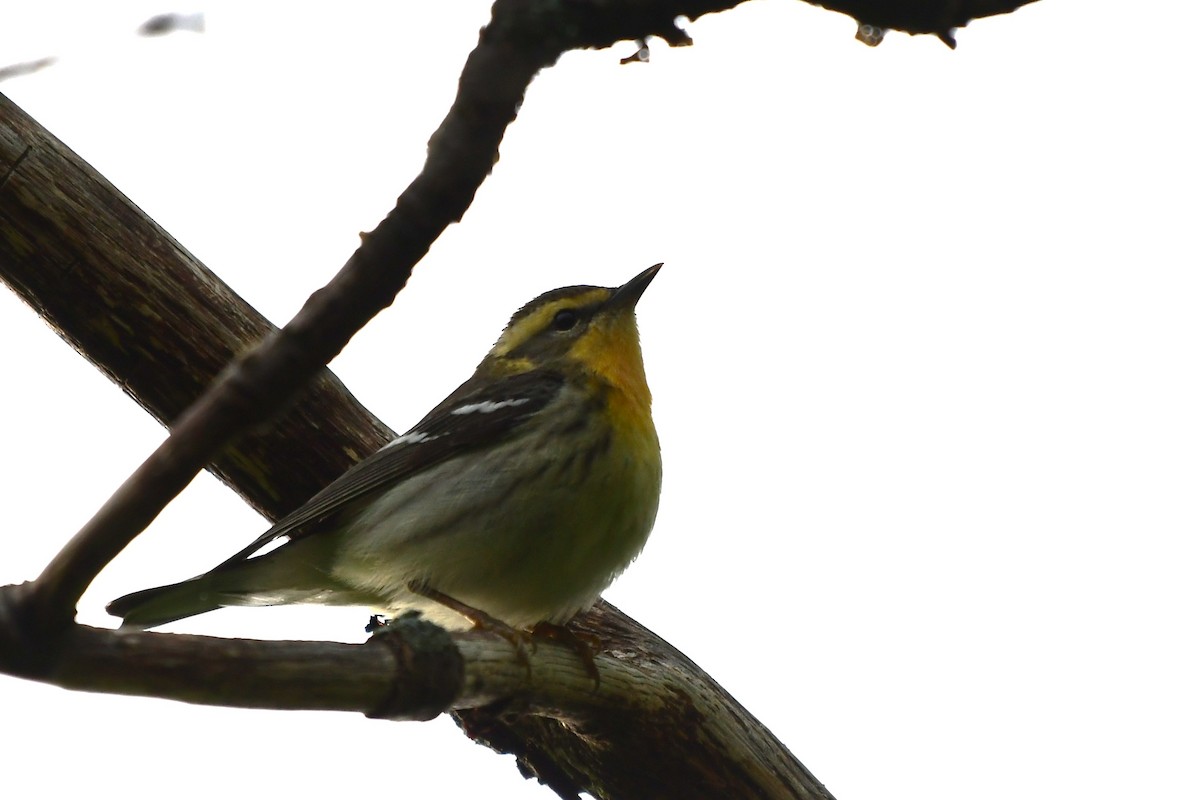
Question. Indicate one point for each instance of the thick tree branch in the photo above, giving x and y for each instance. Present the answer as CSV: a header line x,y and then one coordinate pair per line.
x,y
655,725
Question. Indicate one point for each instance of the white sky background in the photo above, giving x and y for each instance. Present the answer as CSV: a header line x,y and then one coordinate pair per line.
x,y
923,353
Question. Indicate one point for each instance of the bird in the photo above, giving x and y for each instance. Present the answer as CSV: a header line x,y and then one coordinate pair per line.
x,y
518,499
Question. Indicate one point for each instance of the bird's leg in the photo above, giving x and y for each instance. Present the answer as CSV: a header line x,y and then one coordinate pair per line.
x,y
481,620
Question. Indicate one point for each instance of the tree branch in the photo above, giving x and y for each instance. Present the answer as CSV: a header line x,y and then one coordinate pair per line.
x,y
127,295
936,17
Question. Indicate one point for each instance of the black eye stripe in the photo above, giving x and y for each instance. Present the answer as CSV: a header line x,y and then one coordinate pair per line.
x,y
565,319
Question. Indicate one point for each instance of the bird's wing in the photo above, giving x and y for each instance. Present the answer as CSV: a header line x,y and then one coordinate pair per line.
x,y
476,415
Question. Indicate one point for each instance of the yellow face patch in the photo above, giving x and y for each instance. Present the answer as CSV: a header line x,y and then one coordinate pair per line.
x,y
604,347
609,349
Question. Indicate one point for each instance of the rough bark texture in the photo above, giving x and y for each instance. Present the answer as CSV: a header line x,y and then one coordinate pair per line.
x,y
664,705
140,307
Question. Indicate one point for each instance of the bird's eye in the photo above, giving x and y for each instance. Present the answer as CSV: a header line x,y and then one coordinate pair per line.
x,y
565,320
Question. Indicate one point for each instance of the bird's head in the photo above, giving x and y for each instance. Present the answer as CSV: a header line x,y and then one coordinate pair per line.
x,y
588,329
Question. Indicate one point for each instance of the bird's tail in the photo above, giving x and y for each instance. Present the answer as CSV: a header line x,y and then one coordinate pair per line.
x,y
295,573
150,608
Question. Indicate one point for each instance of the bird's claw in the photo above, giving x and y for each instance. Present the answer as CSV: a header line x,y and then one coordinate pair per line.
x,y
585,645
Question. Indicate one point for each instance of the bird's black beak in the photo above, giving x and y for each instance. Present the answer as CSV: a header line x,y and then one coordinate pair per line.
x,y
627,296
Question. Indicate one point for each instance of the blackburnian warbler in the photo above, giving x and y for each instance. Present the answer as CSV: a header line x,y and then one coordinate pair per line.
x,y
522,495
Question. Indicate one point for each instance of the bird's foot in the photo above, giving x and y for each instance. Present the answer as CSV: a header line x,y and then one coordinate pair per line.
x,y
522,641
584,644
